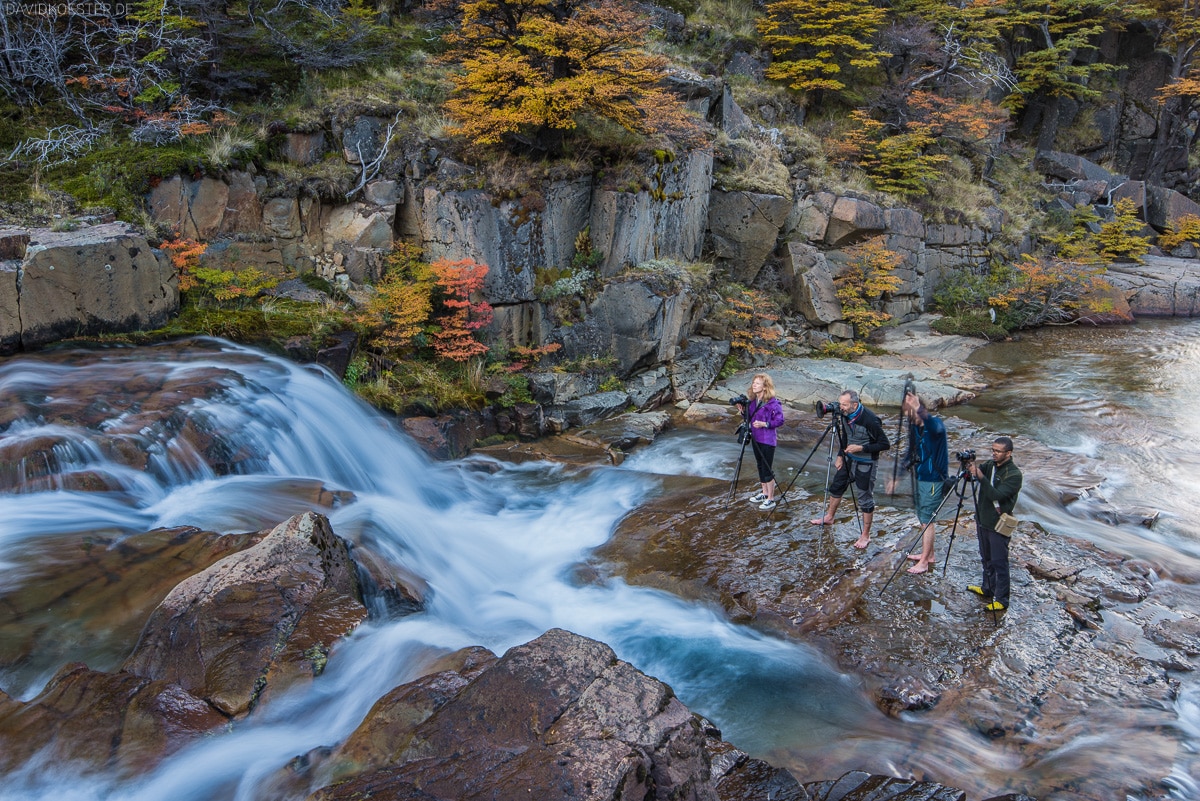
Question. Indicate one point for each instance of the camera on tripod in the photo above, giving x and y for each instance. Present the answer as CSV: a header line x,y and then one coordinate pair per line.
x,y
739,400
965,456
823,408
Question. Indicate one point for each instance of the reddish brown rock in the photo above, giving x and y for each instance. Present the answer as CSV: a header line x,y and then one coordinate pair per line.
x,y
256,621
559,717
109,720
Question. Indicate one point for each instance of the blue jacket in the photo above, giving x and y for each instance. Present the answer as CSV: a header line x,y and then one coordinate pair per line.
x,y
927,449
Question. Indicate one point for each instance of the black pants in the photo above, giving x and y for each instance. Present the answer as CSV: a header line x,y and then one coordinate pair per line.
x,y
993,552
764,456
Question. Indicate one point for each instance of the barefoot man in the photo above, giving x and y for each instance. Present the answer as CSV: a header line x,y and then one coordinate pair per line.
x,y
927,452
862,440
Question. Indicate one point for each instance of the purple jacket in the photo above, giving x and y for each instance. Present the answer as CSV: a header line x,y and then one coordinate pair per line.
x,y
771,413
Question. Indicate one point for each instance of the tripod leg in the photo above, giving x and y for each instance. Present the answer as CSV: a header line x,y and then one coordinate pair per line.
x,y
783,495
959,489
737,472
920,534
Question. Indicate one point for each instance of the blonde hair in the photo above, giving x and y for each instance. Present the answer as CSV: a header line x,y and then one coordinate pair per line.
x,y
768,386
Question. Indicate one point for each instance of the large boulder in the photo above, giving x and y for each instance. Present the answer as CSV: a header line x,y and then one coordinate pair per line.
x,y
257,621
93,280
632,323
808,277
1160,287
744,227
852,220
559,717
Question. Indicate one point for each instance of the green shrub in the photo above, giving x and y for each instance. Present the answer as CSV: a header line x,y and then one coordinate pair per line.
x,y
970,323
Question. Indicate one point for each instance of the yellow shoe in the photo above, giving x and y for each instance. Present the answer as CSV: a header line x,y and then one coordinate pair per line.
x,y
995,606
977,590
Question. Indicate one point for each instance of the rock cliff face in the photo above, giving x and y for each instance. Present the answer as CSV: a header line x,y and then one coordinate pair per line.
x,y
55,285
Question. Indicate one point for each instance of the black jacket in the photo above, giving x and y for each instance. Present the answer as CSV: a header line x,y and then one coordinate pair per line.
x,y
877,440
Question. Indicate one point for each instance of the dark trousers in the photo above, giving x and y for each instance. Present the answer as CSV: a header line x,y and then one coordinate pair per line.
x,y
993,552
764,455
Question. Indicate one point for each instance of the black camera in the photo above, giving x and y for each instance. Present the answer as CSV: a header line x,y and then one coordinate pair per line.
x,y
739,400
965,456
823,408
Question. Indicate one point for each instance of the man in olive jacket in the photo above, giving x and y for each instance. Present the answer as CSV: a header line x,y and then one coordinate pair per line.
x,y
999,483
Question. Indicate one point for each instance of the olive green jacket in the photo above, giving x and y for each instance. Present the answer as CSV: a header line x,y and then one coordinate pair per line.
x,y
1000,489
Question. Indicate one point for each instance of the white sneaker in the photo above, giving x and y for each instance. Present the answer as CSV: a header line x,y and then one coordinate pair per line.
x,y
767,504
759,498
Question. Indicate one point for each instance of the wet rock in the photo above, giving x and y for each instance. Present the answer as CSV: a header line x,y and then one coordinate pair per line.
x,y
752,779
256,621
117,721
78,592
908,694
1071,654
559,717
860,786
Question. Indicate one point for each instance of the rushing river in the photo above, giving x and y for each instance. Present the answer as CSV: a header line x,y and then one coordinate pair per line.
x,y
498,543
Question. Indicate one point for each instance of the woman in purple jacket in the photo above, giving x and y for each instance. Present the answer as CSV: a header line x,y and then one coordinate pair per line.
x,y
765,415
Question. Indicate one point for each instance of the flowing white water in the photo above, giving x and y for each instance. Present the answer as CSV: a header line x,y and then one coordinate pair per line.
x,y
496,544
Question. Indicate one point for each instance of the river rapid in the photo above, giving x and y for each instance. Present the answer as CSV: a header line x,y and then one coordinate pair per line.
x,y
500,545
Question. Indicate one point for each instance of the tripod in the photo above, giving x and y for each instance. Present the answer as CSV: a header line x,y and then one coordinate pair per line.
x,y
745,436
835,423
783,493
959,489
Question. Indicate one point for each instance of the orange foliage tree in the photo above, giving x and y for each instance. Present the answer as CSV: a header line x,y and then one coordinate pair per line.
x,y
532,70
1046,290
750,315
456,337
185,258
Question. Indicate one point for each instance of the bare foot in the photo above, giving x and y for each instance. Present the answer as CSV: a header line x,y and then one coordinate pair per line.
x,y
822,521
919,567
862,542
914,557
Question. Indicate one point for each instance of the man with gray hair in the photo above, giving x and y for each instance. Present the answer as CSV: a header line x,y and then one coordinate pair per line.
x,y
862,440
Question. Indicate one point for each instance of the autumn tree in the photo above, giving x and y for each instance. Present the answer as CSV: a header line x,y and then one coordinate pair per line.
x,y
1047,290
456,330
869,276
898,162
1121,237
816,45
1184,231
530,71
399,310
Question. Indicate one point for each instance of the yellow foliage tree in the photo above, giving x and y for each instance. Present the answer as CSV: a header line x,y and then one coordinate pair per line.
x,y
869,275
1122,237
816,43
1185,230
400,308
531,70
